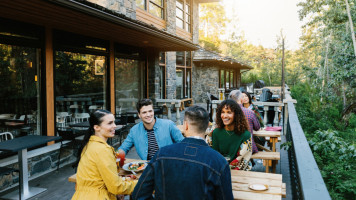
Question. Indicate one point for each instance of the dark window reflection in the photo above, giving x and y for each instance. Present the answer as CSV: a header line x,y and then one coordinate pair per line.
x,y
20,90
80,82
180,58
179,83
129,83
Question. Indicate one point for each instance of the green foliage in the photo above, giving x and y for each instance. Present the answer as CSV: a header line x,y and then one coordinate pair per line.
x,y
332,143
336,159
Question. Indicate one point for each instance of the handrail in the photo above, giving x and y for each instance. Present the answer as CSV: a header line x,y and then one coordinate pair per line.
x,y
306,178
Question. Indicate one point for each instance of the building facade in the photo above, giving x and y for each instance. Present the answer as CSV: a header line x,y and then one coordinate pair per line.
x,y
60,59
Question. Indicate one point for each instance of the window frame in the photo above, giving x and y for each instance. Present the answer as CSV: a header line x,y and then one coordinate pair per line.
x,y
147,7
185,67
231,80
162,66
187,24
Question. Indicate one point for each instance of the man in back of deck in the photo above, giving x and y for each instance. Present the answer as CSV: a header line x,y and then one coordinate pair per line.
x,y
252,120
150,134
189,169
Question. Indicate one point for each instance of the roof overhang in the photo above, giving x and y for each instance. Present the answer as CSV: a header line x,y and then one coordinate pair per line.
x,y
223,63
77,17
206,57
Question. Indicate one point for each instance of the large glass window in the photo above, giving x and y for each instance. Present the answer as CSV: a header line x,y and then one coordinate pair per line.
x,y
20,92
155,7
222,79
183,74
179,83
80,77
183,14
227,78
129,80
20,78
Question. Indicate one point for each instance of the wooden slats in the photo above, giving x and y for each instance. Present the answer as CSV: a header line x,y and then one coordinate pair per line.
x,y
150,19
243,195
266,155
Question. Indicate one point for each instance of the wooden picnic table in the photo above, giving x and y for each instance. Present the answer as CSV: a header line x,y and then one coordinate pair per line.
x,y
242,179
273,137
240,184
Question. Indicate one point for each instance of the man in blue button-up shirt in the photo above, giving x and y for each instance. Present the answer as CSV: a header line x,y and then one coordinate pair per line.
x,y
187,170
150,134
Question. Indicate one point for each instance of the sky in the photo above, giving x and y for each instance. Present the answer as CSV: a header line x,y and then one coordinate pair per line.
x,y
262,20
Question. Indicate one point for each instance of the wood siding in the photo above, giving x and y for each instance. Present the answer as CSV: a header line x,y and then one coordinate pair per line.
x,y
146,17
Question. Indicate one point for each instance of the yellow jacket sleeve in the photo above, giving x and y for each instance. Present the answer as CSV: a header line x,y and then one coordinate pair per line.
x,y
107,168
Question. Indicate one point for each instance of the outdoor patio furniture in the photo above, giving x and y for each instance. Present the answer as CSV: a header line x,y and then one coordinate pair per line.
x,y
80,117
20,145
70,135
6,136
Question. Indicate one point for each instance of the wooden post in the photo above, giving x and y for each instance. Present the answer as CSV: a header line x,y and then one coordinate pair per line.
x,y
111,71
283,81
49,84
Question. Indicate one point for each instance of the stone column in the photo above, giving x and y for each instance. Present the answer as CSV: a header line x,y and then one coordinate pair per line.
x,y
153,74
171,75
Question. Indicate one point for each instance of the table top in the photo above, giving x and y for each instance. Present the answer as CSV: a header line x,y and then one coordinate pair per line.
x,y
242,179
25,142
263,133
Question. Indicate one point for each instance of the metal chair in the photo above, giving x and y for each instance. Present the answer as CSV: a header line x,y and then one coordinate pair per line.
x,y
6,136
67,134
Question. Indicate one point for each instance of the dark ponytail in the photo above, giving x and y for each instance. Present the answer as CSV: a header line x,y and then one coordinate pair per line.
x,y
95,119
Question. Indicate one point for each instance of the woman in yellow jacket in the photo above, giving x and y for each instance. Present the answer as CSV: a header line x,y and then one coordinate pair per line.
x,y
97,176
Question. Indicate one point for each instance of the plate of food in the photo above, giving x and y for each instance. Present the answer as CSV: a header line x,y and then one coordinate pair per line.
x,y
135,166
259,187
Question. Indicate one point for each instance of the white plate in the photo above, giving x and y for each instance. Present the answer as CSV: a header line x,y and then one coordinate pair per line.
x,y
259,187
126,166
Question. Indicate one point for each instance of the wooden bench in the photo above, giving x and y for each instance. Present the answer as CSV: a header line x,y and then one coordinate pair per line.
x,y
183,101
269,159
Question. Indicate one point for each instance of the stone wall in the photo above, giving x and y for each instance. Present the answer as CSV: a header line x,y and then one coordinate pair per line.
x,y
171,75
195,20
204,79
153,74
43,160
124,7
37,165
171,17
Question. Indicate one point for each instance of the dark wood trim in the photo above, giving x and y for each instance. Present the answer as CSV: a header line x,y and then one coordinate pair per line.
x,y
111,71
49,83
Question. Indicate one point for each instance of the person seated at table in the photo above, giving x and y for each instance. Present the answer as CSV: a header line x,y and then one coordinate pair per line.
x,y
247,103
151,133
97,176
251,118
231,136
189,169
